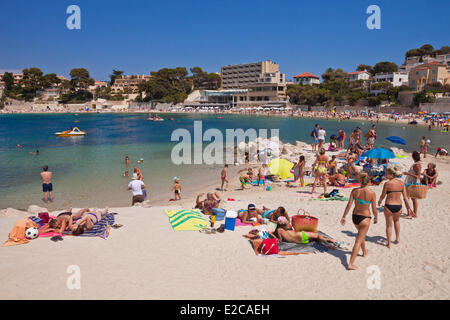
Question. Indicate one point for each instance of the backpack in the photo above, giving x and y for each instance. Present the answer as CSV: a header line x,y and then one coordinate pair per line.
x,y
312,133
269,246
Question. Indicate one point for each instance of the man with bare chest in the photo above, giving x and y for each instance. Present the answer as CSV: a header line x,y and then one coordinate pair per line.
x,y
47,186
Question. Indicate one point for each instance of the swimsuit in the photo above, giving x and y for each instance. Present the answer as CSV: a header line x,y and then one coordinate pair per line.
x,y
96,219
267,213
357,218
394,208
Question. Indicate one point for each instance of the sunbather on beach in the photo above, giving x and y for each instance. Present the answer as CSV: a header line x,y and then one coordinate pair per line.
x,y
212,201
250,215
62,222
86,220
338,179
320,170
364,200
430,175
394,189
273,215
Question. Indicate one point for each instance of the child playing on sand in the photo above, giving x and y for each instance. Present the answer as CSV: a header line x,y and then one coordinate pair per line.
x,y
243,179
176,189
223,177
262,174
299,171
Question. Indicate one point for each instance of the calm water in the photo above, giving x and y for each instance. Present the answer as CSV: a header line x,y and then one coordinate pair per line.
x,y
88,170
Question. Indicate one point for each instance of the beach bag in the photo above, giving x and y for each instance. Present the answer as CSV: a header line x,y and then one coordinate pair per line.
x,y
304,222
417,191
269,246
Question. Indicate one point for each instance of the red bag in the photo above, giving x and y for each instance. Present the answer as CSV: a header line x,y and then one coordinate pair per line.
x,y
269,246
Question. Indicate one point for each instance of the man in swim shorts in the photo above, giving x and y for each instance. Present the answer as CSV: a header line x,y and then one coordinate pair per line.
x,y
47,186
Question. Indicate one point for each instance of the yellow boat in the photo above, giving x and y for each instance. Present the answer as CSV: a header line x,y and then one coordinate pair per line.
x,y
75,132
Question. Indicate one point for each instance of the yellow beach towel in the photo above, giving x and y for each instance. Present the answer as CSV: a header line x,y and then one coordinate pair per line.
x,y
187,220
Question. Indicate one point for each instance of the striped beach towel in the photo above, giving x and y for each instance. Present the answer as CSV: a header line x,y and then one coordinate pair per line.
x,y
101,229
187,220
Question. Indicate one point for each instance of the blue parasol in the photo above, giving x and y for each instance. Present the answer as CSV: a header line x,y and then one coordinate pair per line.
x,y
379,153
397,140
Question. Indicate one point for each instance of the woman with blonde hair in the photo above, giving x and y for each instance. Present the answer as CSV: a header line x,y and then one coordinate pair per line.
x,y
393,189
364,200
320,170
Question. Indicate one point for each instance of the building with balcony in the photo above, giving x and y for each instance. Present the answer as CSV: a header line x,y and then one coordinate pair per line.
x,y
128,84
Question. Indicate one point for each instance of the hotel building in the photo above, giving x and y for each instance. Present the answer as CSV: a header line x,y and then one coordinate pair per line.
x,y
128,84
428,73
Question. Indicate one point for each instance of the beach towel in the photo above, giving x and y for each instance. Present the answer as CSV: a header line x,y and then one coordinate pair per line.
x,y
187,220
351,185
17,234
332,198
239,223
311,247
101,229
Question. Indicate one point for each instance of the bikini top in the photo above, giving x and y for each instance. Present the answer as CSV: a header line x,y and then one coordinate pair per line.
x,y
363,201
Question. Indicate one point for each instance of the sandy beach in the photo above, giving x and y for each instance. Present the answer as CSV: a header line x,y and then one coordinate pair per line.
x,y
146,259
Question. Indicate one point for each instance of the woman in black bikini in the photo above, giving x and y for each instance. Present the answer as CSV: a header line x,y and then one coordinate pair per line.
x,y
364,199
393,190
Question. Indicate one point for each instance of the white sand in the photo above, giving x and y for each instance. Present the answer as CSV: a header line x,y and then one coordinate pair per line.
x,y
146,259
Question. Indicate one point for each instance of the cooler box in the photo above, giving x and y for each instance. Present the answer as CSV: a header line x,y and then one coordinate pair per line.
x,y
219,213
230,220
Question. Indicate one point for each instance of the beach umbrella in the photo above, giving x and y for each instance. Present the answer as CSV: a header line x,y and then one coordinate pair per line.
x,y
379,153
281,167
397,140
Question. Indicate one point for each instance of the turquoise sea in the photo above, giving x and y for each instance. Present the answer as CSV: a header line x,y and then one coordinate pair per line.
x,y
88,170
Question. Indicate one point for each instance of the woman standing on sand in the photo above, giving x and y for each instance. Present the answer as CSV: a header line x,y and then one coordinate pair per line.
x,y
412,177
393,190
320,170
364,199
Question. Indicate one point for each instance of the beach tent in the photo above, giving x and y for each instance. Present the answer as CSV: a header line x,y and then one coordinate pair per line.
x,y
281,168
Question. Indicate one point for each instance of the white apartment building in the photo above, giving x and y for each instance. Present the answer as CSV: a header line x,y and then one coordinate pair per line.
x,y
396,78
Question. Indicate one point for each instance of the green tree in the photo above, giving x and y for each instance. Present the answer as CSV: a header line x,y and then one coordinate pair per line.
x,y
8,79
31,82
385,67
80,78
51,80
115,74
422,97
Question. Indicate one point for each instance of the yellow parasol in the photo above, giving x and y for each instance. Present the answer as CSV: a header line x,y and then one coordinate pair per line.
x,y
281,167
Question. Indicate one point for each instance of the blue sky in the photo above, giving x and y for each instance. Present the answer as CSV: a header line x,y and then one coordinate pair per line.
x,y
142,36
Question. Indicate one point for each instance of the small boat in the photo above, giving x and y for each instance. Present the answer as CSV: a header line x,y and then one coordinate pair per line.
x,y
171,119
413,122
75,132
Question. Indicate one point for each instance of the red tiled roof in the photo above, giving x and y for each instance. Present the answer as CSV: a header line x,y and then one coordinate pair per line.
x,y
306,75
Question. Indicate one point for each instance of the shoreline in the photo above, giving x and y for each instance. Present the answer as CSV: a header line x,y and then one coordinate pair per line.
x,y
305,114
151,253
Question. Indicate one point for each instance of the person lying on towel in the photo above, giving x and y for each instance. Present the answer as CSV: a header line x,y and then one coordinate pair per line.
x,y
85,220
273,215
63,221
